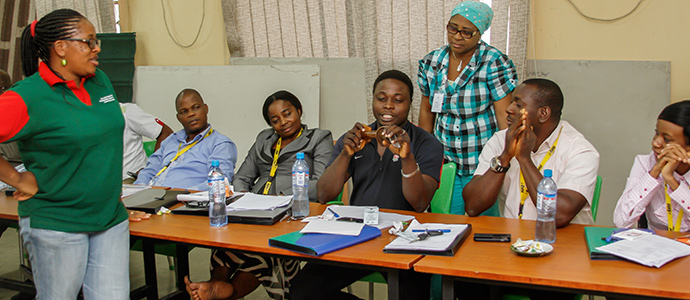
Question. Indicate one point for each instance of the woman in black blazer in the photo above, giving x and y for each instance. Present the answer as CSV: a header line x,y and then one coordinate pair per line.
x,y
283,111
236,274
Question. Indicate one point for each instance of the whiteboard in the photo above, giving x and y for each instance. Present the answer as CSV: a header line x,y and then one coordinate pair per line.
x,y
614,104
234,94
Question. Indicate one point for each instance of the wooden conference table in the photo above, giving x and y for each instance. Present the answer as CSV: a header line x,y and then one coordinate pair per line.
x,y
567,269
195,231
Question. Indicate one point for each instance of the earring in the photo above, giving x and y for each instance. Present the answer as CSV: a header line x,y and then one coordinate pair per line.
x,y
63,62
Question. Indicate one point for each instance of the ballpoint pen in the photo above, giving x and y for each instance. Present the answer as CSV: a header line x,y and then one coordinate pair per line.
x,y
425,230
334,213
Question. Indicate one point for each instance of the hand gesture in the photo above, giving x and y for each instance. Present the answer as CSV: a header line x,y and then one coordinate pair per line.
x,y
27,186
513,134
354,139
397,140
671,157
527,139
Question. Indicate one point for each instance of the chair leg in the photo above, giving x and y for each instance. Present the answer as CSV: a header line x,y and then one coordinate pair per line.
x,y
591,297
171,266
371,291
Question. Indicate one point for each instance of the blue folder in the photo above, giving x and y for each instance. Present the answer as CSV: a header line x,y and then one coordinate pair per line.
x,y
321,243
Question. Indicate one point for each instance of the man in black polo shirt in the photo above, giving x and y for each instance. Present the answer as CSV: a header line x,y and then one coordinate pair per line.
x,y
399,172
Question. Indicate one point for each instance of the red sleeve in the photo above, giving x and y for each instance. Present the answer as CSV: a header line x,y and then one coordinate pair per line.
x,y
13,114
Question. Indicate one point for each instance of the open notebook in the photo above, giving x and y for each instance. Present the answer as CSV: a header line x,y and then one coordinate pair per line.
x,y
444,245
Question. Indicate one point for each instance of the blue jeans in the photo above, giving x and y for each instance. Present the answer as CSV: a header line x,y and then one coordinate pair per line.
x,y
457,206
64,262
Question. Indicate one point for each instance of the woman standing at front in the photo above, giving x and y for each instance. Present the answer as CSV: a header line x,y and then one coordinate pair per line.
x,y
69,128
466,87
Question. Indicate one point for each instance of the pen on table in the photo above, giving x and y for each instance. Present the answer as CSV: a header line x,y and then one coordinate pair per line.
x,y
334,213
425,230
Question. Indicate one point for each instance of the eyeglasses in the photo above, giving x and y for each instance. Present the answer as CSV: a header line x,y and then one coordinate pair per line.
x,y
465,34
91,42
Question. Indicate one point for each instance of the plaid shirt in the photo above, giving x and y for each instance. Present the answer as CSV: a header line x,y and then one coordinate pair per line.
x,y
467,119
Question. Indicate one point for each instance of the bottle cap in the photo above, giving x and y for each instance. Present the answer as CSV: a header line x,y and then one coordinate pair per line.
x,y
300,155
548,173
215,163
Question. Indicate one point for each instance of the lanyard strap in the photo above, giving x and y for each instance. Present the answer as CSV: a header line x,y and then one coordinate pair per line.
x,y
523,187
274,166
180,152
669,212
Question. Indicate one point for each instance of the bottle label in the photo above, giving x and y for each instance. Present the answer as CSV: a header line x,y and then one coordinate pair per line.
x,y
300,178
546,202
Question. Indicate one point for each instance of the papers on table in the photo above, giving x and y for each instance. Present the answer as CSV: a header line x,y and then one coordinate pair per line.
x,y
649,250
385,219
333,227
252,201
439,244
198,197
245,201
131,189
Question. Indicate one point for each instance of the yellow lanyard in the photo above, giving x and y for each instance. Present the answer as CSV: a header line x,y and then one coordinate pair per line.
x,y
669,212
523,187
274,166
180,152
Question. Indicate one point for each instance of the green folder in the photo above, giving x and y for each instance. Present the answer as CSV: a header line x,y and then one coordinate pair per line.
x,y
594,236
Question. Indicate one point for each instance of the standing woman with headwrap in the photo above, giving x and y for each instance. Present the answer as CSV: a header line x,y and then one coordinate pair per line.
x,y
466,87
69,126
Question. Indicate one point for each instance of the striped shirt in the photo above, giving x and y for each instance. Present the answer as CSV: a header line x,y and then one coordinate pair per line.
x,y
467,119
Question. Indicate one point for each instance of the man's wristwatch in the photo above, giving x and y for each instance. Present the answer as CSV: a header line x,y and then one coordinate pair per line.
x,y
496,165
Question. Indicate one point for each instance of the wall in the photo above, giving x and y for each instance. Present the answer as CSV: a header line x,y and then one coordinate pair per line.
x,y
156,47
558,32
654,32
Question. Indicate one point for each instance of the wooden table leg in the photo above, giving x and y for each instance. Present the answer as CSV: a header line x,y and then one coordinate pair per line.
x,y
448,288
393,284
150,269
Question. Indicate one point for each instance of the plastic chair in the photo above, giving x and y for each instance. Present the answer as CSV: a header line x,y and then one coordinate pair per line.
x,y
444,194
149,147
595,198
441,204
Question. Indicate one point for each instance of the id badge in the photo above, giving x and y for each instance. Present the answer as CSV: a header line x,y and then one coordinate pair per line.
x,y
437,102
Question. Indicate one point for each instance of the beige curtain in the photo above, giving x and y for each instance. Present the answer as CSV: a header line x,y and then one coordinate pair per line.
x,y
386,33
100,12
15,16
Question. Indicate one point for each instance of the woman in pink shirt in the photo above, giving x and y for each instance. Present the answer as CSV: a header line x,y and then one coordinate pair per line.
x,y
658,182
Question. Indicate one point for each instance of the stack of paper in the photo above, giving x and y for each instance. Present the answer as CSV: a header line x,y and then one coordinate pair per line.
x,y
649,250
333,227
198,197
252,201
385,219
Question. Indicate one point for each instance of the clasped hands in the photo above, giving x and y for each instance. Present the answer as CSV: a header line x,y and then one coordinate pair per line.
x,y
671,158
393,137
520,138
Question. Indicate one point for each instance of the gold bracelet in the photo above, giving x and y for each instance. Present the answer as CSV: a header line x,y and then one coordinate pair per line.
x,y
411,174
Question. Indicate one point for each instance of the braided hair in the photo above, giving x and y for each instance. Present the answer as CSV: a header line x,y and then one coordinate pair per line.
x,y
57,25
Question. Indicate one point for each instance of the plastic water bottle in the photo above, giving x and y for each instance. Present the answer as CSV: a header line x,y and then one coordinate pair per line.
x,y
216,196
300,187
546,209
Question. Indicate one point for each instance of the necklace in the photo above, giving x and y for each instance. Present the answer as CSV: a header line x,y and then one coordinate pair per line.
x,y
459,63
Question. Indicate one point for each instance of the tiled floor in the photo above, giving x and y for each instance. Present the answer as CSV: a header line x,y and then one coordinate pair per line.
x,y
199,266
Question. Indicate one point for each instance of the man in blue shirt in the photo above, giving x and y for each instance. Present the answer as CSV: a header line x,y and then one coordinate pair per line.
x,y
184,158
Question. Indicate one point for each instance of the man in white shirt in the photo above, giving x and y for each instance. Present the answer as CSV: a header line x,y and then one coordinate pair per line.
x,y
139,123
535,127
